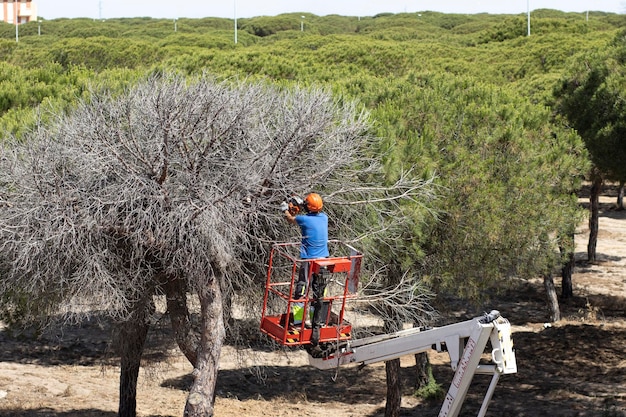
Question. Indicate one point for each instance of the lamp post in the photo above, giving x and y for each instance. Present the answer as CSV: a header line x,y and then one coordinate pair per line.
x,y
302,24
38,27
528,12
175,27
15,14
235,15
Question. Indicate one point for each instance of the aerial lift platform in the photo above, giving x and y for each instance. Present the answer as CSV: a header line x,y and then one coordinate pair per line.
x,y
327,335
335,278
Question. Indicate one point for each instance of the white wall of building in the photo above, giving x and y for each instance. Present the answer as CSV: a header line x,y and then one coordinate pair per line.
x,y
26,11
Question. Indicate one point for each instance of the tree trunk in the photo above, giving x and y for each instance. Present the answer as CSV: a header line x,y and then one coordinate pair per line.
x,y
201,397
594,207
186,338
394,388
620,196
130,339
553,301
422,370
392,370
567,250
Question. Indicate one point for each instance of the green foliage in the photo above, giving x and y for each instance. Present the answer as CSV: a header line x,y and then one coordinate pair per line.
x,y
459,96
331,24
510,28
182,41
474,26
17,121
431,391
591,97
6,48
266,26
99,53
21,88
419,41
28,95
205,24
506,172
18,311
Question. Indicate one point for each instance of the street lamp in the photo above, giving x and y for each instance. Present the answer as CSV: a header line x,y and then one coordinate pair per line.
x,y
528,12
302,24
15,13
235,13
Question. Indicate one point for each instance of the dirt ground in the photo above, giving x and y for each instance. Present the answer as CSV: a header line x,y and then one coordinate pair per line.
x,y
576,367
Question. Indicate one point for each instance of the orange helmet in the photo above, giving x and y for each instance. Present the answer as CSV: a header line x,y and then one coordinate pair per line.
x,y
314,202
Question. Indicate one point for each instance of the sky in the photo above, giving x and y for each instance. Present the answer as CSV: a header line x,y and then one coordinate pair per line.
x,y
52,9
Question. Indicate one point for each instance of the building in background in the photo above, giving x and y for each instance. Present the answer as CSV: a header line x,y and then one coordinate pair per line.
x,y
18,11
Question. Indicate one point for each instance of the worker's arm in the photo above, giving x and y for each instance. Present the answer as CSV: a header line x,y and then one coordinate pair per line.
x,y
291,219
284,207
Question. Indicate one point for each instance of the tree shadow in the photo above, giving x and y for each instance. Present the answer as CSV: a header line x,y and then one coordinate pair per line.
x,y
586,267
47,412
86,343
589,378
609,189
605,209
612,213
295,383
581,364
573,364
523,303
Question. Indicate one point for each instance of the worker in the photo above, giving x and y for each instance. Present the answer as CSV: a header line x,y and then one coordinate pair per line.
x,y
314,228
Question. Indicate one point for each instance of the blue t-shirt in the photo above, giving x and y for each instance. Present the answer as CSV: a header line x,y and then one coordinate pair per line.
x,y
314,227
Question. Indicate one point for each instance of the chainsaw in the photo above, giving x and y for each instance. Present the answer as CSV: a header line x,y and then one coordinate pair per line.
x,y
296,205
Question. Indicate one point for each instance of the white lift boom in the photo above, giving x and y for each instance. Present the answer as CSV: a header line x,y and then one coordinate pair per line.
x,y
465,343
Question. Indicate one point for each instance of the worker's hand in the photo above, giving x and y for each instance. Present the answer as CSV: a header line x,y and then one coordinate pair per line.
x,y
284,206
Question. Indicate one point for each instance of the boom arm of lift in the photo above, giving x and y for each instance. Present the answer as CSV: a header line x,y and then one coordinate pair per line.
x,y
465,343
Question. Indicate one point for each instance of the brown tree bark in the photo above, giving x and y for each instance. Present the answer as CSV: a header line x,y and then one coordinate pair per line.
x,y
200,402
186,338
394,388
567,288
130,337
422,370
392,369
594,208
553,301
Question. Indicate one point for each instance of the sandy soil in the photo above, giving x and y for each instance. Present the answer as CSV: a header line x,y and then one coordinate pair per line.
x,y
576,367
